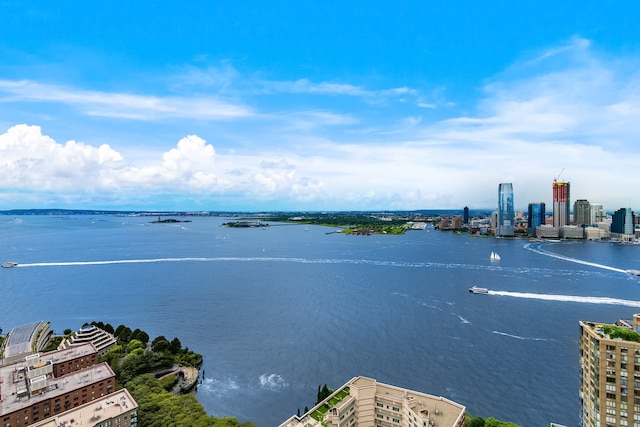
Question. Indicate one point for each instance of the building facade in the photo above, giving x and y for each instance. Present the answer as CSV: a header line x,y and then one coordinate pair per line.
x,y
365,402
465,215
115,410
506,213
48,385
610,374
598,214
102,340
623,223
582,213
536,216
561,206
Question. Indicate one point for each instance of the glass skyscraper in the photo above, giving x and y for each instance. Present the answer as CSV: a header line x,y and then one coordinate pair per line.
x,y
536,217
506,213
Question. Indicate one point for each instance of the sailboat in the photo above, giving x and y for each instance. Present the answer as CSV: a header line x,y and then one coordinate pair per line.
x,y
494,256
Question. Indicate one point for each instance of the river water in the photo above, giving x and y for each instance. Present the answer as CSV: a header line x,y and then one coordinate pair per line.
x,y
277,311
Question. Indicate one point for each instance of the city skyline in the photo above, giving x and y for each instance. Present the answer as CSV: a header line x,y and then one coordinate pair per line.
x,y
306,106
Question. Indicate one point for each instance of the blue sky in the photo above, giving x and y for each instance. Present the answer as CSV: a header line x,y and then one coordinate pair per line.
x,y
330,105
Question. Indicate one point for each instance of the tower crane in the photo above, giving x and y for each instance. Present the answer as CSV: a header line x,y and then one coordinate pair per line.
x,y
558,177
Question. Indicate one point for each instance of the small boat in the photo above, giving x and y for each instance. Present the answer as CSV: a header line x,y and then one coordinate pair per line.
x,y
634,272
477,290
494,256
9,264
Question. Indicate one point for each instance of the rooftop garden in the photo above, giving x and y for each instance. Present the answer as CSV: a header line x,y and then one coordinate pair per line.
x,y
318,414
620,332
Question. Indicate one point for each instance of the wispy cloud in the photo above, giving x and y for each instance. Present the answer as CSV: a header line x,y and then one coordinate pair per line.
x,y
123,105
579,113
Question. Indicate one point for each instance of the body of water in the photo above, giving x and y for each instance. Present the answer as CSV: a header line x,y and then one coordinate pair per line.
x,y
278,311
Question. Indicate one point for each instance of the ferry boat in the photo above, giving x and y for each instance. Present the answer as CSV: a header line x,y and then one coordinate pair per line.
x,y
477,290
9,264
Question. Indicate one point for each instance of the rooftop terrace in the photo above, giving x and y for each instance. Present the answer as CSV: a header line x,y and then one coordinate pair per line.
x,y
92,413
13,392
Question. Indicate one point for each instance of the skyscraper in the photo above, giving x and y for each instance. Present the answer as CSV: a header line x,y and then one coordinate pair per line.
x,y
465,215
506,213
536,217
561,206
582,212
609,366
598,214
623,221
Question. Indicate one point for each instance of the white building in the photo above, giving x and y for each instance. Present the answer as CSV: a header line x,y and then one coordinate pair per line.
x,y
365,402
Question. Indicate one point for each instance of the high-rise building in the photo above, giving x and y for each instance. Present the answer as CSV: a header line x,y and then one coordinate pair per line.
x,y
48,385
610,373
623,221
536,217
465,215
598,214
582,213
561,206
506,214
366,402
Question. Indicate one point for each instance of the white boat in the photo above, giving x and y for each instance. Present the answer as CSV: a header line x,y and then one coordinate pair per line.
x,y
477,290
634,272
9,264
494,256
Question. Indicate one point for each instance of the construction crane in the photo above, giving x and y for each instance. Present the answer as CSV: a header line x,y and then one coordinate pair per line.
x,y
558,177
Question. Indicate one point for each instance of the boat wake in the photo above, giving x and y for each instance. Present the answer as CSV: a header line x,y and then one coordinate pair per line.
x,y
538,250
568,298
335,261
518,337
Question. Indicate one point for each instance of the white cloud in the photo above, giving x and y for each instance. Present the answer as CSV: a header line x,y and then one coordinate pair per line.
x,y
32,161
578,112
124,105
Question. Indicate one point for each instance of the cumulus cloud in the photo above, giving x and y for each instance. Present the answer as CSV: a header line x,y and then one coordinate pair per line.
x,y
566,108
32,161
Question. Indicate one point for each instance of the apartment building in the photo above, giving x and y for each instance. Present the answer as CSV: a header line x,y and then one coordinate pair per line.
x,y
610,373
365,402
24,341
115,410
42,386
103,340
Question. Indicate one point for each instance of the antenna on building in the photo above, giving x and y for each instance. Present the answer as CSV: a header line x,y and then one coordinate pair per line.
x,y
558,177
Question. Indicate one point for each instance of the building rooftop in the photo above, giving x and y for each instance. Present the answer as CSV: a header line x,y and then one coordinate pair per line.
x,y
94,412
71,353
14,394
19,340
431,410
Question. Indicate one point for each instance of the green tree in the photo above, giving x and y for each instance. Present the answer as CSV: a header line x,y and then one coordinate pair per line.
x,y
472,421
160,344
135,344
118,330
492,422
323,393
125,334
141,335
176,345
